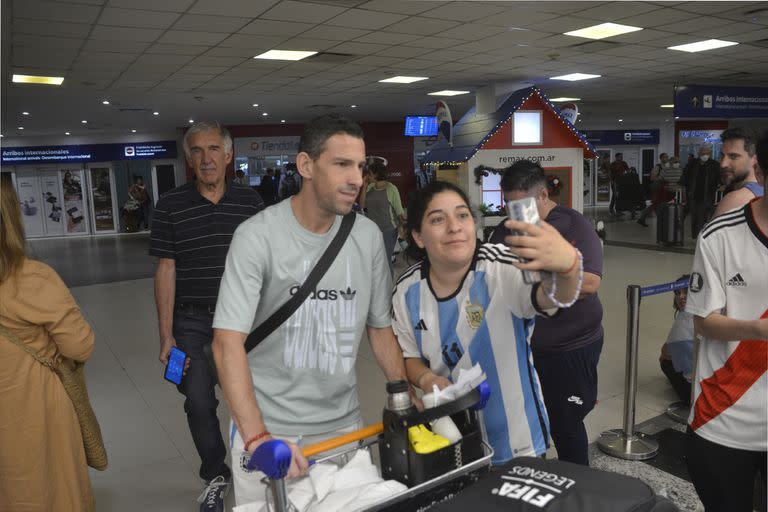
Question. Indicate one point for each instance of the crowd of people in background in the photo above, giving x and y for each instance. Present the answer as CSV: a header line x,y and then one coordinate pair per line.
x,y
705,186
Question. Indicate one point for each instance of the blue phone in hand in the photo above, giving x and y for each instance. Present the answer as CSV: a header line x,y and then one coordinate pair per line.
x,y
175,369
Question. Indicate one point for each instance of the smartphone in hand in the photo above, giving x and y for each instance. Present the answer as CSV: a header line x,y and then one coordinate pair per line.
x,y
525,210
175,369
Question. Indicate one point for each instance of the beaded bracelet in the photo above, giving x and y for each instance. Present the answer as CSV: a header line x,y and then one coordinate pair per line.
x,y
579,260
256,438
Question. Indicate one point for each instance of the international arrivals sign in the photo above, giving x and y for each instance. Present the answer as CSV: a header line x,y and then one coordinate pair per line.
x,y
720,102
88,153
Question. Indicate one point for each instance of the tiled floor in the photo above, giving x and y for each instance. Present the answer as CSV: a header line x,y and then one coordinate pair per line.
x,y
153,463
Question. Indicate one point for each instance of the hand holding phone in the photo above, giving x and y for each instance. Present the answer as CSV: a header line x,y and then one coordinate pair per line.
x,y
174,371
525,210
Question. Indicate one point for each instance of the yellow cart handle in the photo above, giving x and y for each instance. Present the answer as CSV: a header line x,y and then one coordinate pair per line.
x,y
350,437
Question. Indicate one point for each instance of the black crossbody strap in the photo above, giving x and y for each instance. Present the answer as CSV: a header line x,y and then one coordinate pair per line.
x,y
286,310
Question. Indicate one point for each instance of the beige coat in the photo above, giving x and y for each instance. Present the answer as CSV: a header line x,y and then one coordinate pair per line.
x,y
42,459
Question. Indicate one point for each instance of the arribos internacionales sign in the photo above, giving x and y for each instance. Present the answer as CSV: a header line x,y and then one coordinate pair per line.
x,y
717,102
88,153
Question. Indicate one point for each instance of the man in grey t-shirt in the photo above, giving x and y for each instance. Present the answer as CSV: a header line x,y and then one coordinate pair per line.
x,y
300,381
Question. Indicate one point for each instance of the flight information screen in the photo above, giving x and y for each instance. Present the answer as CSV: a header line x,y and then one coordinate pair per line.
x,y
418,126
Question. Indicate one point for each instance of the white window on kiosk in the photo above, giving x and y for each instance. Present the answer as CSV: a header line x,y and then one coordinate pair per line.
x,y
492,194
527,128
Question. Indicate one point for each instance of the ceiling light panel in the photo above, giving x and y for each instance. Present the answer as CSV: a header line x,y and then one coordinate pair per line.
x,y
702,46
563,98
285,55
403,79
603,30
32,79
573,77
447,92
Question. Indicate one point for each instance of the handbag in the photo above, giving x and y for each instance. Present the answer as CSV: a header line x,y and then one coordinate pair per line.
x,y
285,311
72,376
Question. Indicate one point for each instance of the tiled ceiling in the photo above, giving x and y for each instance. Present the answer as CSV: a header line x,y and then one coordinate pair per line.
x,y
194,58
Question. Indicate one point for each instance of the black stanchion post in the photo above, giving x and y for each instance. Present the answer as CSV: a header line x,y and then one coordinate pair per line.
x,y
626,443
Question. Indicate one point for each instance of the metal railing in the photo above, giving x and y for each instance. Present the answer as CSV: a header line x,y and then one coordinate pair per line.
x,y
626,443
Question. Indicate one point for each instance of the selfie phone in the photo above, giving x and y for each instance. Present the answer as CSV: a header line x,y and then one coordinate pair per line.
x,y
175,369
524,210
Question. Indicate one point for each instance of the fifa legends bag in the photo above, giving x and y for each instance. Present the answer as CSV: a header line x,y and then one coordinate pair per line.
x,y
529,484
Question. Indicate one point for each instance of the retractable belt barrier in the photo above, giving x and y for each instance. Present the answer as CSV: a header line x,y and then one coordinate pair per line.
x,y
626,443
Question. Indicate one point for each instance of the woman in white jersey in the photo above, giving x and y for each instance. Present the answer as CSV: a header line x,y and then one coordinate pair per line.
x,y
466,303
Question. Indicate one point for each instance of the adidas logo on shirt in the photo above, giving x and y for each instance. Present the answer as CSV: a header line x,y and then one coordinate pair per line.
x,y
421,326
737,280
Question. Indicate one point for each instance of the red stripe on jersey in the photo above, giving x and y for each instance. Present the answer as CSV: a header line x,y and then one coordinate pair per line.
x,y
720,391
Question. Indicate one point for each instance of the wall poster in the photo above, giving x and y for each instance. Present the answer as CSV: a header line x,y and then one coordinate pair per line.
x,y
52,202
28,190
101,197
603,175
74,206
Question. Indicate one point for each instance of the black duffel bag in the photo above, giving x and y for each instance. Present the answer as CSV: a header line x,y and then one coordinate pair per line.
x,y
528,484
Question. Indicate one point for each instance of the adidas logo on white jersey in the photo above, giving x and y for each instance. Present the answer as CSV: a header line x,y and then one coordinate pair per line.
x,y
737,280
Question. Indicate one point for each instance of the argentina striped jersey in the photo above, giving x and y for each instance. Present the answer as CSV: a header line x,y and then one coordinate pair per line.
x,y
488,320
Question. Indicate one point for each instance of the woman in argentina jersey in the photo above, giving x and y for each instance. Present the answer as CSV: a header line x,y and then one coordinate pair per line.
x,y
466,303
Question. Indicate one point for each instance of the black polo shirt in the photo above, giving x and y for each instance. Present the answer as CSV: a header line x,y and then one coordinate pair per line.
x,y
196,233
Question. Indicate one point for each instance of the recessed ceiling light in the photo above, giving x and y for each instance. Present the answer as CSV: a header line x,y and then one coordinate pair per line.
x,y
701,46
282,120
667,105
447,92
191,120
285,55
264,114
133,131
155,113
575,76
105,102
31,79
621,120
66,133
563,98
404,79
25,113
666,120
21,127
602,31
84,121
255,104
353,106
677,117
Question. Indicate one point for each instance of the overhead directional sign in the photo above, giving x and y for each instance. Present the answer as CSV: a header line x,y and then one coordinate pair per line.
x,y
720,102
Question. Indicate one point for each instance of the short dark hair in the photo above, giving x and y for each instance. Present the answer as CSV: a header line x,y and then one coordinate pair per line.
x,y
378,169
417,208
320,129
523,176
618,154
761,150
748,135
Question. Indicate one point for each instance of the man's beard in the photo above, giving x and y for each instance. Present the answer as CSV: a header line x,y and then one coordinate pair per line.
x,y
738,179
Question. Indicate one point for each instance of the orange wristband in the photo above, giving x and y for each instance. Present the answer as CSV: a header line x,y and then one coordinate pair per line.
x,y
256,438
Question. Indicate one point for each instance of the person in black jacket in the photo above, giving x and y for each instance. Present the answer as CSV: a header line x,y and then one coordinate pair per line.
x,y
701,178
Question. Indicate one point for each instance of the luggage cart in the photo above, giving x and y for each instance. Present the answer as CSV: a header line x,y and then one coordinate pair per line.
x,y
431,478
